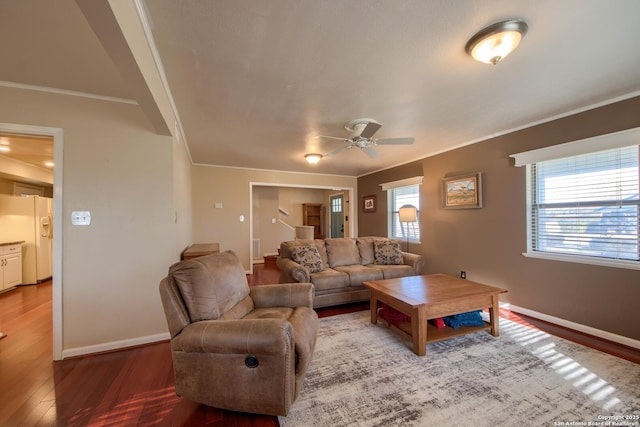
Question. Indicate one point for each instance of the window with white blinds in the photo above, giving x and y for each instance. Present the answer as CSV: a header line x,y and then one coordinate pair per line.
x,y
586,205
399,196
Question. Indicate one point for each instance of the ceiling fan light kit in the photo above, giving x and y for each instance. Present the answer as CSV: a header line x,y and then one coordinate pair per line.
x,y
493,43
313,158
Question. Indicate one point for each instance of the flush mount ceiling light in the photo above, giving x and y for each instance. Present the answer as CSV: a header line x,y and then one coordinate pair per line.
x,y
495,42
313,158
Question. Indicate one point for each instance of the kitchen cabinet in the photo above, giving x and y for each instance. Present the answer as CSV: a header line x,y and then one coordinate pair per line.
x,y
10,265
313,214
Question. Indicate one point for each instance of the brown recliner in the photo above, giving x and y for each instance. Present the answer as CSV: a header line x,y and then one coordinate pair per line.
x,y
237,347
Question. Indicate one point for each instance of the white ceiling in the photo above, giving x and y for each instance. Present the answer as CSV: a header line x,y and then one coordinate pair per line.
x,y
255,82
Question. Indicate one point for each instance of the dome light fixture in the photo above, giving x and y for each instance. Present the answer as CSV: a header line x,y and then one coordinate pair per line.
x,y
493,43
313,158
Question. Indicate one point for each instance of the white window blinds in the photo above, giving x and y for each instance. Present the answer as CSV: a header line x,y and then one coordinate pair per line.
x,y
400,196
586,204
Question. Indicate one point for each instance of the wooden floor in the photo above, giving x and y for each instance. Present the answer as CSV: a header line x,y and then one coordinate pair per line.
x,y
131,387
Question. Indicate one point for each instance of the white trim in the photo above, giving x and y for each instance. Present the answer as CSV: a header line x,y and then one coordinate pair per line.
x,y
606,262
273,170
402,183
608,141
620,339
115,345
67,92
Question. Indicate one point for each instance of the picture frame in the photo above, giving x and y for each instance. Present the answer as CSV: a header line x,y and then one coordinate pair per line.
x,y
369,204
462,191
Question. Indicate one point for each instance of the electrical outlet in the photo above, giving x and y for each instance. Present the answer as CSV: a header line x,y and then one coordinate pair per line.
x,y
463,274
80,218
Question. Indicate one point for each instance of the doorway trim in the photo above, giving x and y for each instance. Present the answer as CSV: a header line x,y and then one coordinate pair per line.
x,y
58,140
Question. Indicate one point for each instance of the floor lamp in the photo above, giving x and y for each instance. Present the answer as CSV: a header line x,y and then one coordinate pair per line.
x,y
406,214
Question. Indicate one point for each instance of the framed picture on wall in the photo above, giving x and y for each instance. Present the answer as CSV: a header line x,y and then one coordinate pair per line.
x,y
368,204
462,191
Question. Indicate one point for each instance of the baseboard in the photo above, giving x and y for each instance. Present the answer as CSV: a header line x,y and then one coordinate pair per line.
x,y
629,342
114,345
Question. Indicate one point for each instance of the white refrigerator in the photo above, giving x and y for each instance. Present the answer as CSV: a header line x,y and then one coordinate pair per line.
x,y
29,219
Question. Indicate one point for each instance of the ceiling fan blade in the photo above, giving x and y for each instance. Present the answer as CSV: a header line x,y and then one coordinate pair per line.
x,y
332,137
339,150
370,129
394,141
370,152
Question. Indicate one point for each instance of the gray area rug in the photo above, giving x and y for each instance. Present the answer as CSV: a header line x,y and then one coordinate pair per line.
x,y
366,375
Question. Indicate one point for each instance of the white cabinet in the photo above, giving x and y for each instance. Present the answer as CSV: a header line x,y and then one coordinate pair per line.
x,y
10,266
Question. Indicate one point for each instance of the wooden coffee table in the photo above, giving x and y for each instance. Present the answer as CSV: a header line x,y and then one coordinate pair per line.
x,y
432,296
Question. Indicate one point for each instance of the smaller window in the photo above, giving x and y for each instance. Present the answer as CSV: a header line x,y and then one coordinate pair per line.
x,y
398,197
336,204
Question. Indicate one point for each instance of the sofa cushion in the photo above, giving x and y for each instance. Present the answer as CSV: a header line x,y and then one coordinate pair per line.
x,y
365,246
387,252
307,256
285,248
342,251
207,295
359,273
395,271
329,279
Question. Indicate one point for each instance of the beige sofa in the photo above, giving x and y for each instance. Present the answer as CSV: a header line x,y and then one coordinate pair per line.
x,y
343,264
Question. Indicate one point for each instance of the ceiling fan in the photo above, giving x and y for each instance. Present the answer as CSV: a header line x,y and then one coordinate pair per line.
x,y
362,131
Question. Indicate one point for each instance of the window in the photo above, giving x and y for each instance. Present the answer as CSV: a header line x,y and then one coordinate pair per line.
x,y
585,205
336,204
399,196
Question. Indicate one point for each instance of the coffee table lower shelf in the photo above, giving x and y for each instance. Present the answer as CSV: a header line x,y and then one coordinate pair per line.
x,y
436,334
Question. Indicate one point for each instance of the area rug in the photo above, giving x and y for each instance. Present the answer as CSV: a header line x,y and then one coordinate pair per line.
x,y
366,375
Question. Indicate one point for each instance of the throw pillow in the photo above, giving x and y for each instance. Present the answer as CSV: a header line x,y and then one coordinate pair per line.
x,y
387,252
307,256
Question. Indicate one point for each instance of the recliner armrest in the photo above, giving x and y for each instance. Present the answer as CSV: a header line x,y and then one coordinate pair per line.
x,y
283,295
243,336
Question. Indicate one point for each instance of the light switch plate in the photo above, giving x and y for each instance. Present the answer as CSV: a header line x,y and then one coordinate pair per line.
x,y
80,218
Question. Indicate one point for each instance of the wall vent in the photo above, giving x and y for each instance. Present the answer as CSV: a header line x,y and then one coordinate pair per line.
x,y
256,249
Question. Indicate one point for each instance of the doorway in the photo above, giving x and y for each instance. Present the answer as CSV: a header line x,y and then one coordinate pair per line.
x,y
57,135
346,195
337,215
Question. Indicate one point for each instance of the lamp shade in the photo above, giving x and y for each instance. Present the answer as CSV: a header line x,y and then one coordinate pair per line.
x,y
408,213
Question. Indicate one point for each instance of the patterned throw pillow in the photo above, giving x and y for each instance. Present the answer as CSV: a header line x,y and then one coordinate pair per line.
x,y
308,257
387,252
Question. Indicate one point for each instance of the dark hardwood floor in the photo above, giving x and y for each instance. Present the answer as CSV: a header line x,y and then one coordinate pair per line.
x,y
132,387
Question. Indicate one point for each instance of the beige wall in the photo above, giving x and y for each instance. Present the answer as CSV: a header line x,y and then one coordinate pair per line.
x,y
231,187
487,243
115,166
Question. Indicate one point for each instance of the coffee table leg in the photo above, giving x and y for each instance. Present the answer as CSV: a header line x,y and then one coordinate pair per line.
x,y
494,311
419,331
373,306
